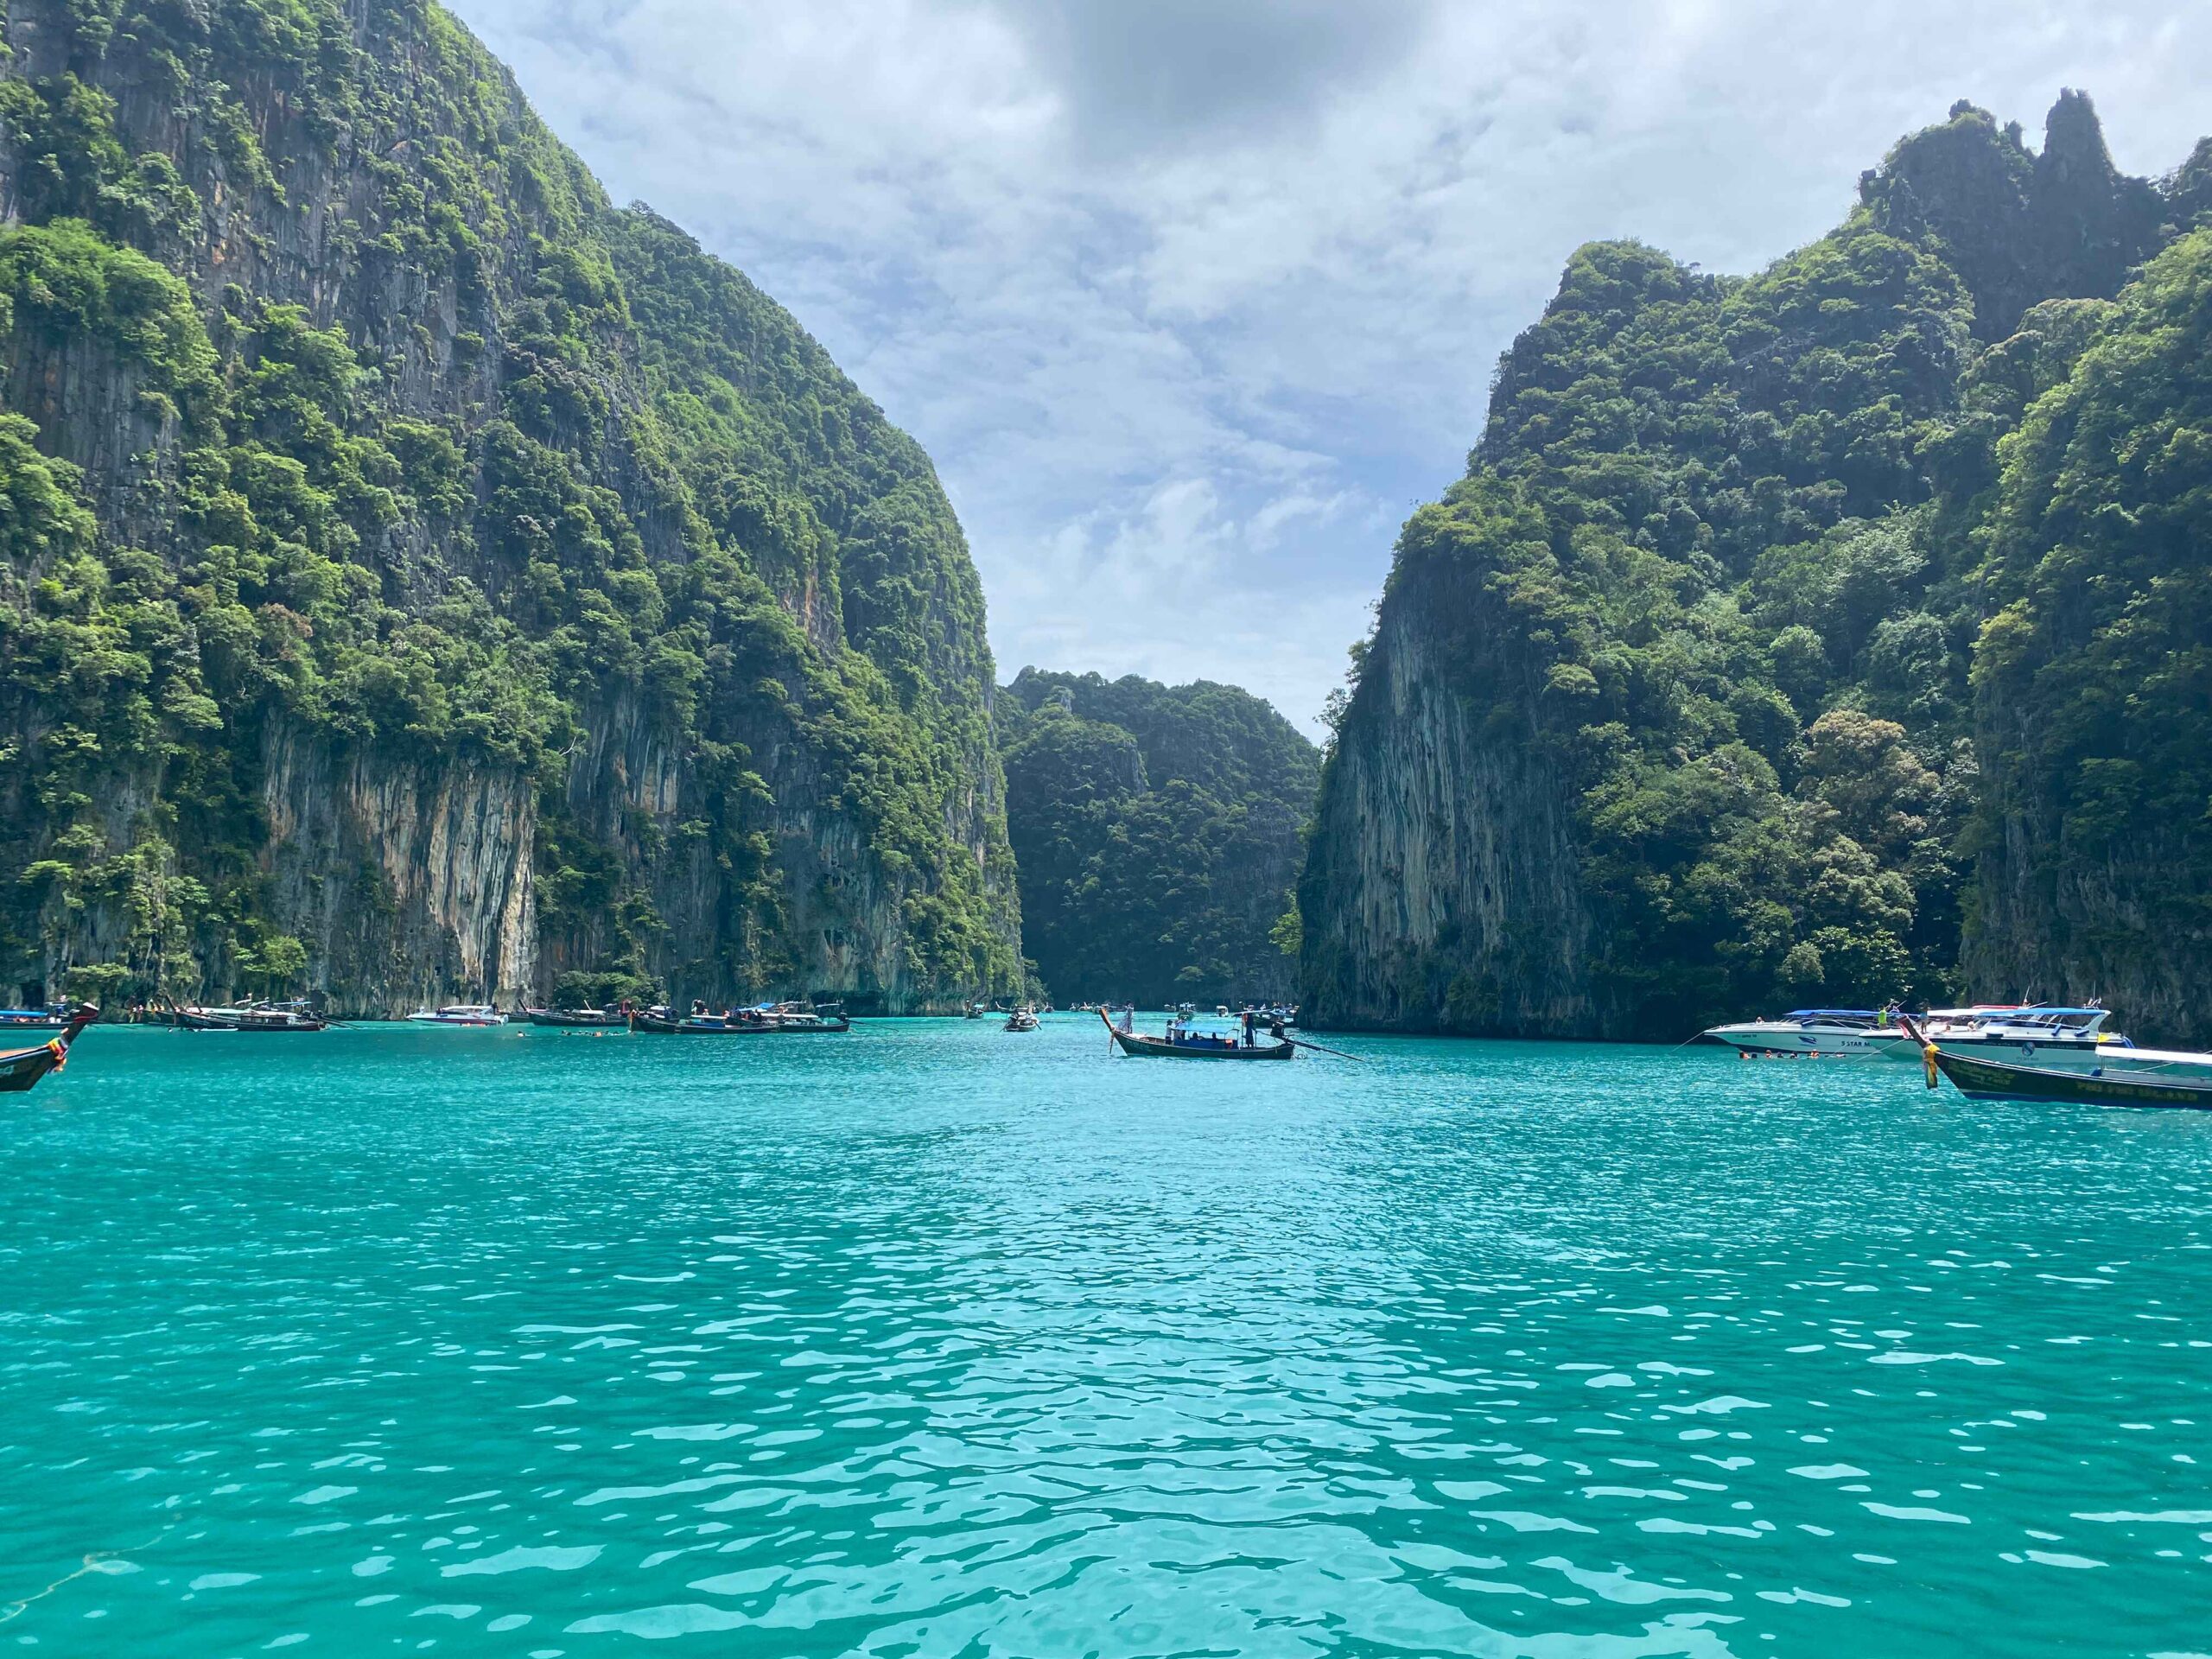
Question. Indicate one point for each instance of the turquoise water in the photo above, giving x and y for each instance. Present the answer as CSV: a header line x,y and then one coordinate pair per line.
x,y
933,1340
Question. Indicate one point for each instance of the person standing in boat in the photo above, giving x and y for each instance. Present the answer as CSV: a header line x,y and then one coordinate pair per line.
x,y
1251,1038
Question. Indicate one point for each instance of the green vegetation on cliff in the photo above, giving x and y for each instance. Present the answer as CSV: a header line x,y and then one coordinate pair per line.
x,y
2093,681
345,413
1157,833
1718,572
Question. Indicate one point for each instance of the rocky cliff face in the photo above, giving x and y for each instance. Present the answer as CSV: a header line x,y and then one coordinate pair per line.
x,y
1461,852
2020,226
410,879
1751,665
412,554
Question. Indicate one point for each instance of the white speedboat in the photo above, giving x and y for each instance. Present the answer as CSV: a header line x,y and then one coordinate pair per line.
x,y
461,1014
2031,1035
2038,1034
1866,1033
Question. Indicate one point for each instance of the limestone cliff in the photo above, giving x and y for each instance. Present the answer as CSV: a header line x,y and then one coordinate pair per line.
x,y
410,553
1701,694
1462,856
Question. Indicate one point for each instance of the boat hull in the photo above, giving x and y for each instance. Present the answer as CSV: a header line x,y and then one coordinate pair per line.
x,y
24,1068
1980,1079
1896,1046
555,1018
1767,1044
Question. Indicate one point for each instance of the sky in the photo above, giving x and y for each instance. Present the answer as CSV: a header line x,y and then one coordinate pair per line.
x,y
1191,303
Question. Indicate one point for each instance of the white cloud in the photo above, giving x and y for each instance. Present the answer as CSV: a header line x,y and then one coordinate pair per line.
x,y
1203,297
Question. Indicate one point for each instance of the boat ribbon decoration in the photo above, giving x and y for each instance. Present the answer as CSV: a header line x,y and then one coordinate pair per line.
x,y
1928,1066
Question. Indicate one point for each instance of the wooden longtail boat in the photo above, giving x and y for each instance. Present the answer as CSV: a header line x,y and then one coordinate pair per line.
x,y
250,1016
1204,1049
2134,1080
794,1020
21,1068
737,1022
586,1018
1981,1079
666,1022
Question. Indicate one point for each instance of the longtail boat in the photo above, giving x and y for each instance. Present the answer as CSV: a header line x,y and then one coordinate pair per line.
x,y
796,1020
2135,1077
250,1016
789,1021
666,1022
1194,1048
21,1068
586,1018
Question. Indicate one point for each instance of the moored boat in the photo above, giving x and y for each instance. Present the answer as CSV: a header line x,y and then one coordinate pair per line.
x,y
2134,1077
249,1016
2032,1034
798,1020
579,1019
667,1022
1182,1044
1866,1033
2039,1034
53,1018
459,1013
280,1016
1021,1020
786,1019
23,1068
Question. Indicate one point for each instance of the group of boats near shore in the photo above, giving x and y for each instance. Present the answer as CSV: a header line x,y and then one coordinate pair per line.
x,y
1989,1052
762,1019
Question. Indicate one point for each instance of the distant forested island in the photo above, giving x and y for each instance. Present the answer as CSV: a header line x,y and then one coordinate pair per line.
x,y
1837,634
1158,831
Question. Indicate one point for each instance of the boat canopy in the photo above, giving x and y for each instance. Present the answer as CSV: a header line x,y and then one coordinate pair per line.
x,y
1833,1013
2016,1013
